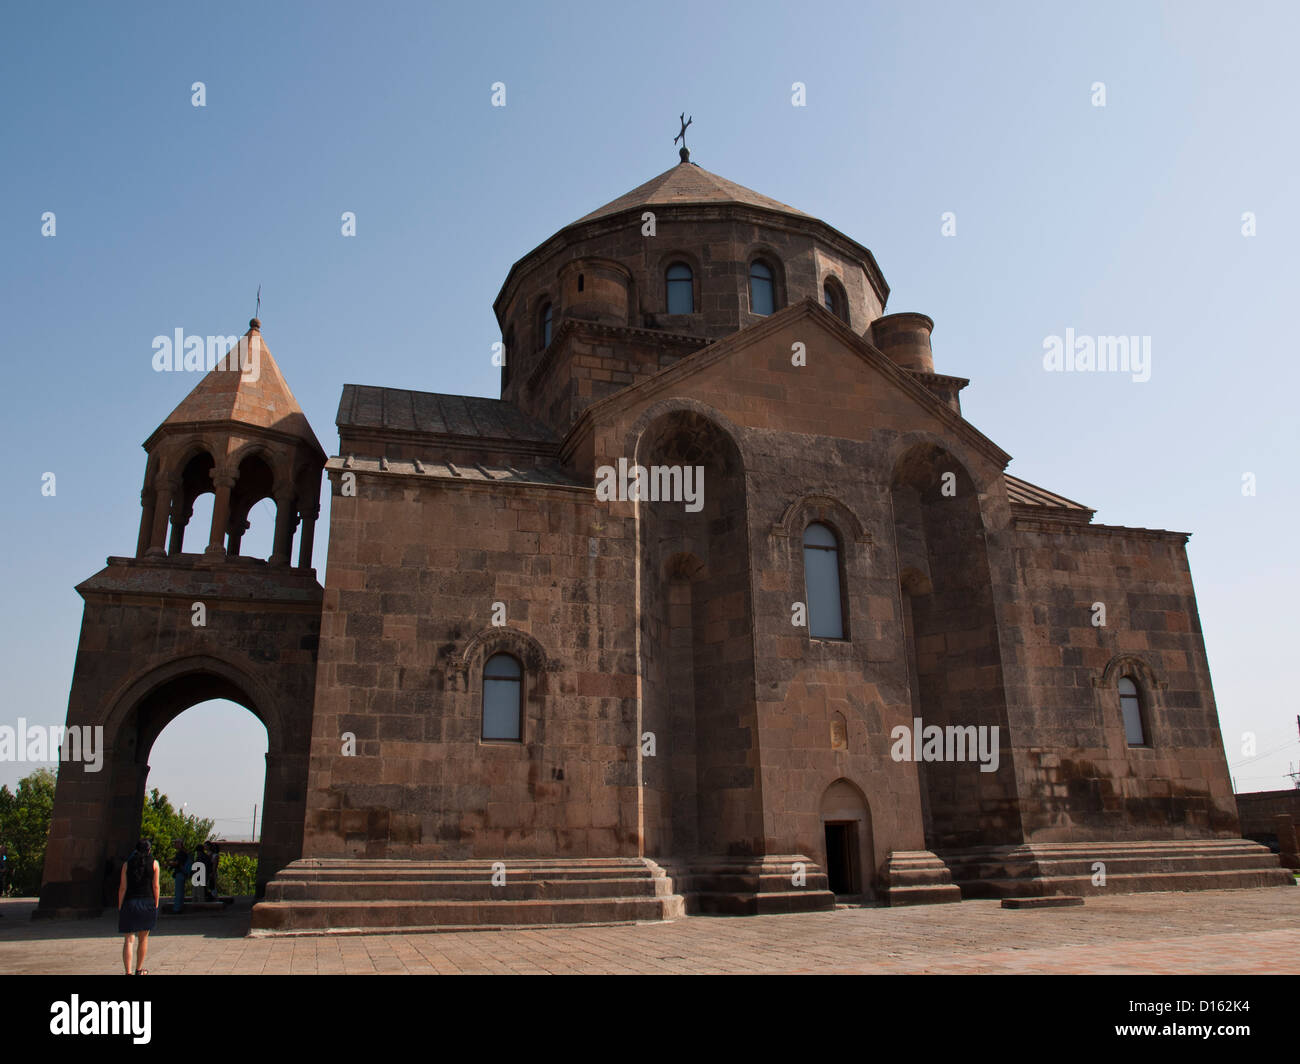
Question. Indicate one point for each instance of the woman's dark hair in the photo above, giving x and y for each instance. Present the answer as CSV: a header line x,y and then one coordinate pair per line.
x,y
142,856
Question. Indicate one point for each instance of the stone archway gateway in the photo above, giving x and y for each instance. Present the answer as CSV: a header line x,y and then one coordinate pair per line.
x,y
97,814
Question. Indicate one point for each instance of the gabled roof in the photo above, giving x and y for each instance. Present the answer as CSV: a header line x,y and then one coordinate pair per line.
x,y
250,390
436,414
689,183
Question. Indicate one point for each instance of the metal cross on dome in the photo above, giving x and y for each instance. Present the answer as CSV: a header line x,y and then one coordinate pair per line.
x,y
685,122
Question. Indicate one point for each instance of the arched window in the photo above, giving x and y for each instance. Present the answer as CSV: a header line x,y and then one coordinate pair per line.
x,y
1130,703
833,299
681,289
546,326
502,698
821,574
762,294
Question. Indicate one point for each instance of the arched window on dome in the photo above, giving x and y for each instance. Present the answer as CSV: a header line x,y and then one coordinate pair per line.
x,y
1130,704
762,290
821,574
680,283
833,299
546,325
503,716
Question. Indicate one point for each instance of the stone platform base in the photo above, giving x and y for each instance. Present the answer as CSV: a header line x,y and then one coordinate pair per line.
x,y
319,896
1037,869
751,886
916,877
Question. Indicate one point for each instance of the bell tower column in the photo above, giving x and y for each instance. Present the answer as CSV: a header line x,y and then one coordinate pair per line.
x,y
284,513
146,522
164,494
222,482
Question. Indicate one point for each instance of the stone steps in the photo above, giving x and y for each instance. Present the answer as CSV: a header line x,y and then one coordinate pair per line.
x,y
917,877
1130,867
750,886
316,896
357,888
341,916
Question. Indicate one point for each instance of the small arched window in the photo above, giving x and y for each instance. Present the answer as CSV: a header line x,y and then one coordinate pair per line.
x,y
821,573
762,295
1130,703
833,299
681,289
546,326
502,698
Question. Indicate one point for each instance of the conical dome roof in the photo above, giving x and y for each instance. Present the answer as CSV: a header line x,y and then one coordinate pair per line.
x,y
688,183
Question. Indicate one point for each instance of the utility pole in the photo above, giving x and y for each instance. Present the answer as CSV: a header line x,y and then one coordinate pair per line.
x,y
254,821
1295,776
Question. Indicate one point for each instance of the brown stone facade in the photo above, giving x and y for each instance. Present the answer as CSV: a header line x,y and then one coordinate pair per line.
x,y
682,739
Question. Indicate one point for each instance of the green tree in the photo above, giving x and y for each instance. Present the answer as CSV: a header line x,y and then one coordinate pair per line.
x,y
25,827
236,875
160,824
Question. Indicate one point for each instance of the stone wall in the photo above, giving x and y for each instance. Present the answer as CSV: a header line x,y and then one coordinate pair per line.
x,y
415,566
1078,777
1259,812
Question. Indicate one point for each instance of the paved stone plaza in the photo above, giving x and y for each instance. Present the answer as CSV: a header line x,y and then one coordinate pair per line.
x,y
1207,932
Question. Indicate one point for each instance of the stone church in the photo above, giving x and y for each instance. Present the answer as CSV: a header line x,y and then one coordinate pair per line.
x,y
722,607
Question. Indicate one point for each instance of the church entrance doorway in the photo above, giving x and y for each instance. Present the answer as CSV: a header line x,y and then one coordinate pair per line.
x,y
842,858
846,831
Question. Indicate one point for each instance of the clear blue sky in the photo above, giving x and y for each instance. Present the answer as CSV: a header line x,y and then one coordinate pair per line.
x,y
1117,220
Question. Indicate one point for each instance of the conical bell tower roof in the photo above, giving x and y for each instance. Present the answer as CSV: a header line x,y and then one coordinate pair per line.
x,y
247,388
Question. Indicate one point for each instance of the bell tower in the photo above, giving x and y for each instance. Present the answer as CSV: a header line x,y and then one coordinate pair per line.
x,y
189,619
241,435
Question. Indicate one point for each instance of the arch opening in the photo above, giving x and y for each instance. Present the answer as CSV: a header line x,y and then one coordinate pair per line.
x,y
98,813
210,762
196,480
251,510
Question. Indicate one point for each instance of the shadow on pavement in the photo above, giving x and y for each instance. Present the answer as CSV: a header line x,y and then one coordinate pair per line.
x,y
17,925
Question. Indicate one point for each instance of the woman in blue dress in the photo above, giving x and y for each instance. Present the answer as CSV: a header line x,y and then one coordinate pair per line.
x,y
137,903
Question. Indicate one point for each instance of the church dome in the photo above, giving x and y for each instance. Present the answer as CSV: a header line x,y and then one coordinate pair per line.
x,y
690,254
683,259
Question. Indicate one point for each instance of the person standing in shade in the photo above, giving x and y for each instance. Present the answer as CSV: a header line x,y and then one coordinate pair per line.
x,y
200,858
214,858
179,869
137,905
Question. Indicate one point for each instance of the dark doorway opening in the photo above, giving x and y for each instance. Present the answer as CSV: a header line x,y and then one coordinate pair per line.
x,y
842,858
